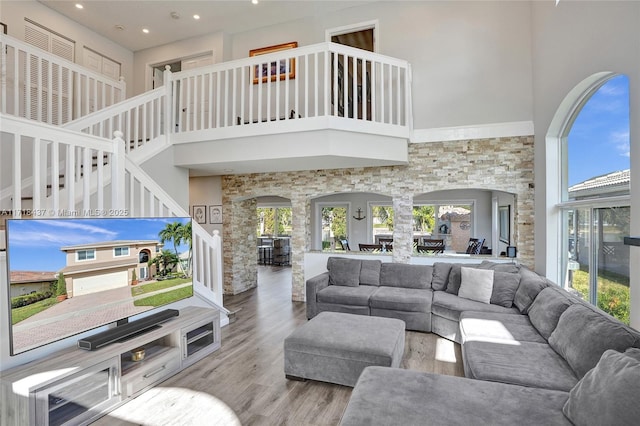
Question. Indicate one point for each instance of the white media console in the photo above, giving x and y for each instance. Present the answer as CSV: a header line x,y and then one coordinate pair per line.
x,y
75,386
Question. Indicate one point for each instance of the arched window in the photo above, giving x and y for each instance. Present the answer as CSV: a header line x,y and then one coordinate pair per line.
x,y
595,201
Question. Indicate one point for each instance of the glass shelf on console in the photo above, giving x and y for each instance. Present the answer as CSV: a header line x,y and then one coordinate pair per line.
x,y
157,349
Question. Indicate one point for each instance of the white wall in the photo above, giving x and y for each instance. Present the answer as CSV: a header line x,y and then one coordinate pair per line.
x,y
206,191
14,12
144,59
174,180
572,41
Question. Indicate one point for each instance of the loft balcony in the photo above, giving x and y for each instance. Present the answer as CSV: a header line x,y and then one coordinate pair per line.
x,y
316,107
321,106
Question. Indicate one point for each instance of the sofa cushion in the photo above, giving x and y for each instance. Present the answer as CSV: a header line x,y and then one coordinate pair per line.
x,y
388,396
524,363
582,335
633,353
344,295
370,272
402,299
476,284
450,306
546,309
404,275
440,275
511,268
505,285
343,271
530,285
607,394
455,277
496,327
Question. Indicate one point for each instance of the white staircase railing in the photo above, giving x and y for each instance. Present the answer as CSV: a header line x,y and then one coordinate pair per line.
x,y
37,85
99,180
141,119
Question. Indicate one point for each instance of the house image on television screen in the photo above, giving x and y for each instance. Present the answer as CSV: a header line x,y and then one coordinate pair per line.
x,y
108,265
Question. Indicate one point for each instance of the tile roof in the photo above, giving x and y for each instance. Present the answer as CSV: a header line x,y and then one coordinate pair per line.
x,y
31,276
615,179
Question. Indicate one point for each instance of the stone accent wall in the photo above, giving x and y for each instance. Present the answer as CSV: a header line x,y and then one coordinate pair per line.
x,y
500,164
239,245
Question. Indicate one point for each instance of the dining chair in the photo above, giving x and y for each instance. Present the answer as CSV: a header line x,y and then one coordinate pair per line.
x,y
475,245
345,245
431,246
370,247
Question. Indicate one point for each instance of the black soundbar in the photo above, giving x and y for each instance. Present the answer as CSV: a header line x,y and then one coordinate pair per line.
x,y
128,330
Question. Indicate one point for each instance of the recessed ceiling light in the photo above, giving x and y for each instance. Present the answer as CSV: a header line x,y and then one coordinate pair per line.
x,y
145,30
196,17
174,15
119,27
254,1
79,6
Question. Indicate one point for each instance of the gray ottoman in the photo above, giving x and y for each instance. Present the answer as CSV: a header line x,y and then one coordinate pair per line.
x,y
335,347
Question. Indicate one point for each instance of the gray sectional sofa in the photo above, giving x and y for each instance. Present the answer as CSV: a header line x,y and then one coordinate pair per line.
x,y
532,352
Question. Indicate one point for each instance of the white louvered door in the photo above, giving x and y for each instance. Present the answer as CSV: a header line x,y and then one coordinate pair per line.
x,y
45,79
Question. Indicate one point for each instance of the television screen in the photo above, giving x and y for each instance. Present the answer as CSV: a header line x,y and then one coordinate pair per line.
x,y
70,275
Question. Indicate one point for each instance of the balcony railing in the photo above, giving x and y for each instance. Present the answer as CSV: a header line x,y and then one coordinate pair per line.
x,y
37,85
325,80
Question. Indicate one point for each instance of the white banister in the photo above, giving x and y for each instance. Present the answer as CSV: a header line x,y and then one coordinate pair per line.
x,y
39,85
330,80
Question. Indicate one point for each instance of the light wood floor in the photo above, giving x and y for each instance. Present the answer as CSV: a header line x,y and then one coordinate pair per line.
x,y
244,383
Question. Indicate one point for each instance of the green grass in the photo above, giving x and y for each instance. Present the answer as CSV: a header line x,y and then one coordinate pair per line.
x,y
613,292
164,298
159,285
24,312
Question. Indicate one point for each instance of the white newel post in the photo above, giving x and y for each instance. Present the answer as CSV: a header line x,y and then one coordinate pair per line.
x,y
168,103
118,172
217,262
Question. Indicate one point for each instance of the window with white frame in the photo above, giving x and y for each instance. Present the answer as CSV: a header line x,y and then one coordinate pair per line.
x,y
120,251
595,202
82,255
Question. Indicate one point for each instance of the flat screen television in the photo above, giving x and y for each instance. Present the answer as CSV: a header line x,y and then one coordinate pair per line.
x,y
71,275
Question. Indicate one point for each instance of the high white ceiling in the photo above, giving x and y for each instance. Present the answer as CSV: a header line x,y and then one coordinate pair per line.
x,y
231,16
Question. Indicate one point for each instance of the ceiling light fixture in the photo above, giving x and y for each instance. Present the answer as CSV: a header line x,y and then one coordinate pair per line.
x,y
79,6
254,1
145,30
175,15
119,27
196,17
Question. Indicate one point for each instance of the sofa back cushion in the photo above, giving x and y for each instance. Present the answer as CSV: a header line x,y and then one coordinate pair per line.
x,y
505,285
545,311
440,275
502,267
455,277
608,394
633,353
370,272
583,334
476,284
530,285
405,275
344,271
